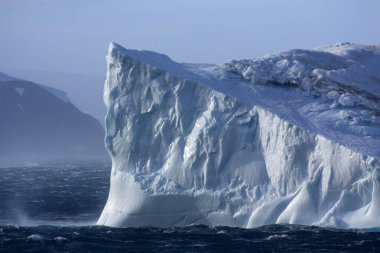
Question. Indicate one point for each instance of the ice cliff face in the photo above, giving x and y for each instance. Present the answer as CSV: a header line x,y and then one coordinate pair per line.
x,y
216,145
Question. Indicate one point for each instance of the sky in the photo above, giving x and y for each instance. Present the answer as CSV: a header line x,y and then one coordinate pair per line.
x,y
72,36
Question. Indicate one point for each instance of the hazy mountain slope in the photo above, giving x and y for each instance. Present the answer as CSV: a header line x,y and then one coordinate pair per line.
x,y
36,123
85,91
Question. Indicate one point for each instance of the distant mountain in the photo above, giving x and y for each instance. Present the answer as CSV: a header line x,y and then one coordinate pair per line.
x,y
40,123
74,85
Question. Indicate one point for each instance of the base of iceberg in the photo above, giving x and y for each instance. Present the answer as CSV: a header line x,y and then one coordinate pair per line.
x,y
203,144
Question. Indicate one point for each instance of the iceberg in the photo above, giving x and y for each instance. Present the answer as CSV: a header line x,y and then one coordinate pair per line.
x,y
287,138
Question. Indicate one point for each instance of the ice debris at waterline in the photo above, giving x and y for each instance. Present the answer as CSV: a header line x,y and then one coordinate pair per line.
x,y
287,138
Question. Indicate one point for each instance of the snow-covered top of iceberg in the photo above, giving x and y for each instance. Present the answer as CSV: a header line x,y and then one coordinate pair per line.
x,y
332,91
346,73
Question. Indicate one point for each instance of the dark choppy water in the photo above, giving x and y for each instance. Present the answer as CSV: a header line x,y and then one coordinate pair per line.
x,y
55,207
58,193
190,239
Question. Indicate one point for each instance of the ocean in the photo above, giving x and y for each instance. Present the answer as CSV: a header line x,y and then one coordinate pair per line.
x,y
54,207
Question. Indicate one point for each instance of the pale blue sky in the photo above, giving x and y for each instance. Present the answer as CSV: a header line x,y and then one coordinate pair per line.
x,y
72,35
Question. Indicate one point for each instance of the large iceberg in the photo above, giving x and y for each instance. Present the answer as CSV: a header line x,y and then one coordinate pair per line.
x,y
286,138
